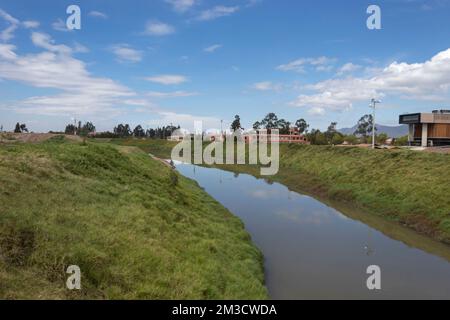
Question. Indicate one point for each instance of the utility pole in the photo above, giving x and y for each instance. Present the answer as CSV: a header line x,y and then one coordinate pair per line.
x,y
373,105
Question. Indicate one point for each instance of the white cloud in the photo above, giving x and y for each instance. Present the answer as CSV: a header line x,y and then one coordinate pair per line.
x,y
217,12
43,40
55,68
212,48
79,48
156,28
9,18
60,25
7,51
348,68
429,80
124,53
98,14
174,94
299,65
181,6
266,86
8,33
31,24
167,79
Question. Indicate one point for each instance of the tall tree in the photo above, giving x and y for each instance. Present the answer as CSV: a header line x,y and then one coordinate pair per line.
x,y
364,126
23,127
138,132
302,126
122,130
87,128
331,130
20,128
257,125
70,129
270,121
236,124
17,128
283,126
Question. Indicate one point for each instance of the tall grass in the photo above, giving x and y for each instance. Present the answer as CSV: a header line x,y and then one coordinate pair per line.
x,y
135,231
408,186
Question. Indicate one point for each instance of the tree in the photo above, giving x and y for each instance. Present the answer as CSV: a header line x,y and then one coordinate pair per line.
x,y
332,128
401,141
351,139
257,125
317,137
20,128
364,126
122,130
270,121
87,128
302,126
283,126
23,127
337,138
236,125
382,138
70,129
138,132
151,133
331,132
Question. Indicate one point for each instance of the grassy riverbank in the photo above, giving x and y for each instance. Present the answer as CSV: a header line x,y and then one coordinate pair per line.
x,y
136,228
409,187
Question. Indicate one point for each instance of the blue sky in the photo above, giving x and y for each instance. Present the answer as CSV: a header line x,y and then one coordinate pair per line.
x,y
175,61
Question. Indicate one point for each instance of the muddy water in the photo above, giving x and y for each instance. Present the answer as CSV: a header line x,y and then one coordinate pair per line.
x,y
313,251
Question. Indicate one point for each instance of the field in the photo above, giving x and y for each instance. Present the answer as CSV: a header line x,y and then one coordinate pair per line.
x,y
137,229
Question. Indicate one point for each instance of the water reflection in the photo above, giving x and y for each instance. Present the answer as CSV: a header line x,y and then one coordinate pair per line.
x,y
314,251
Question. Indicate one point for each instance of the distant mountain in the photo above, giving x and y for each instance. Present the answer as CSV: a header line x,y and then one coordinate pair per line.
x,y
392,132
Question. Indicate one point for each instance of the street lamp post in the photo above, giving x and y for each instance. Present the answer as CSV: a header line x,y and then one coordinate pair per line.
x,y
373,105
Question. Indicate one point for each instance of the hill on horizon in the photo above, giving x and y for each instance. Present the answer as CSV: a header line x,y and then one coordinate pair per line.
x,y
391,131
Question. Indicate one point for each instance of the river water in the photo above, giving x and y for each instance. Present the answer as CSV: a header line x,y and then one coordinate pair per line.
x,y
313,251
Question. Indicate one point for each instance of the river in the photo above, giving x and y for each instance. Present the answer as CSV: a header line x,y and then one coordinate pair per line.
x,y
313,251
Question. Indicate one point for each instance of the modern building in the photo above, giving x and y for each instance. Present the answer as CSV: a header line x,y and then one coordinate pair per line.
x,y
428,129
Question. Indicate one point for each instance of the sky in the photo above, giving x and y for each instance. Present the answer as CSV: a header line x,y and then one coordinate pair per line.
x,y
160,62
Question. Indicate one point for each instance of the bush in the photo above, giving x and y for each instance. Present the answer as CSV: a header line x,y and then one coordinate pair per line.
x,y
402,141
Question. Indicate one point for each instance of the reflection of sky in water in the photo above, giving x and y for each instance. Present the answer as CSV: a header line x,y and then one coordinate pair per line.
x,y
314,251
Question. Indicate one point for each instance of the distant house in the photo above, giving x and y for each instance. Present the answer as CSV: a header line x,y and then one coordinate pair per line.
x,y
428,129
294,136
175,137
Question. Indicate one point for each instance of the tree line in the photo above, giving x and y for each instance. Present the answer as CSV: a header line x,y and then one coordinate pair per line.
x,y
362,134
121,131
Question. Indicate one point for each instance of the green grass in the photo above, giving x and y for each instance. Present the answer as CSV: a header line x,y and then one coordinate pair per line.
x,y
409,187
157,147
137,229
406,186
